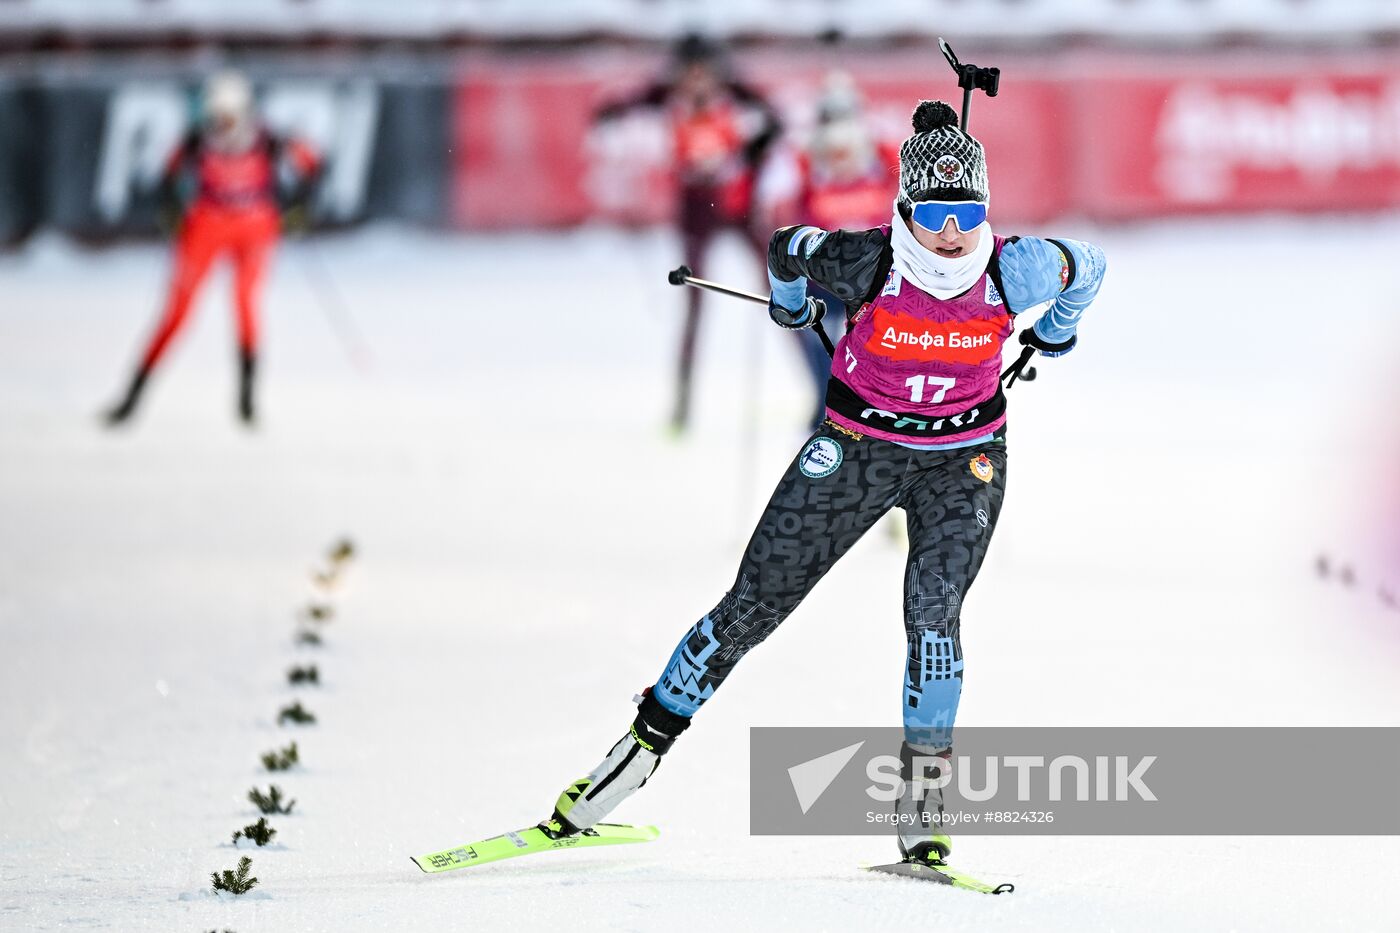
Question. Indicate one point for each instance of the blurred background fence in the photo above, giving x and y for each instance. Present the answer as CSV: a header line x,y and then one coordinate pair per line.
x,y
474,114
1000,19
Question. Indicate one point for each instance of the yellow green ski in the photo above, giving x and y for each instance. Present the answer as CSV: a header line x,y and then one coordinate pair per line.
x,y
542,838
941,873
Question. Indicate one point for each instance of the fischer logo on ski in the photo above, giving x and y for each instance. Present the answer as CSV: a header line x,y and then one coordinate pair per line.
x,y
529,841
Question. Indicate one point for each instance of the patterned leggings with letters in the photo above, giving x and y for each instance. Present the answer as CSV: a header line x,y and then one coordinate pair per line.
x,y
835,490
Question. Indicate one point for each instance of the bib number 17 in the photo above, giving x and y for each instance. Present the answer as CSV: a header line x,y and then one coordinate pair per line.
x,y
938,385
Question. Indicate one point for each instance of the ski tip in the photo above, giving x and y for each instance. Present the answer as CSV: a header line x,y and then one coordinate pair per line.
x,y
415,861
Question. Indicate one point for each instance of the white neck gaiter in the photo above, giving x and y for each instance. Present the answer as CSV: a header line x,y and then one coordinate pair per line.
x,y
930,272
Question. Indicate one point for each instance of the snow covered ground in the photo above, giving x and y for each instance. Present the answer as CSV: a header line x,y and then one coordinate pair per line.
x,y
532,545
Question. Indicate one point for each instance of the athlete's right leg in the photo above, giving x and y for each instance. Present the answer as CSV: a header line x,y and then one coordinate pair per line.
x,y
831,494
199,242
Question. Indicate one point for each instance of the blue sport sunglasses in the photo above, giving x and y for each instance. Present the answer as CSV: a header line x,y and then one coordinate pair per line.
x,y
932,215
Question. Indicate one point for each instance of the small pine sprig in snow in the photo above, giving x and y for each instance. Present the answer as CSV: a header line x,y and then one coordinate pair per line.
x,y
281,759
318,612
341,551
271,802
298,714
234,882
258,832
304,675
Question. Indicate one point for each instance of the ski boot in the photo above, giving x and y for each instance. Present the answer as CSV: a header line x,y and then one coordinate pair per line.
x,y
920,806
923,846
123,411
626,768
247,367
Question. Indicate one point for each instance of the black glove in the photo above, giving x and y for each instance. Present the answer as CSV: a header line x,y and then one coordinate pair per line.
x,y
170,210
1030,338
811,312
296,219
294,203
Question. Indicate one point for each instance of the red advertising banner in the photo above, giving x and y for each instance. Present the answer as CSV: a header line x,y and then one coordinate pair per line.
x,y
1149,136
1304,141
527,155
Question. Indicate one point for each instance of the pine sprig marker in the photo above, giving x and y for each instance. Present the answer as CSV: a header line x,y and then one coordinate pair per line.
x,y
281,759
239,882
318,612
297,714
271,802
260,832
304,675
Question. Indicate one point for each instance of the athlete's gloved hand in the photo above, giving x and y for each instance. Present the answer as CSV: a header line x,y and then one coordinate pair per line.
x,y
169,210
1030,338
812,311
1033,270
789,306
296,219
168,217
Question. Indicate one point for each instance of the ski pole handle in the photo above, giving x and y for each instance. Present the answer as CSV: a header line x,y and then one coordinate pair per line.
x,y
1021,369
682,275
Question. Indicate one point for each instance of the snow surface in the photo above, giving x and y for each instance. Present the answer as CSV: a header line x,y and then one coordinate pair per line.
x,y
531,547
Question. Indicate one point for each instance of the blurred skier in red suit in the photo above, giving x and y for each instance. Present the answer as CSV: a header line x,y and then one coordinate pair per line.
x,y
721,130
838,179
227,183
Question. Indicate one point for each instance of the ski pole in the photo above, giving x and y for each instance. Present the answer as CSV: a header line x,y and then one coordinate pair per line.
x,y
681,275
331,301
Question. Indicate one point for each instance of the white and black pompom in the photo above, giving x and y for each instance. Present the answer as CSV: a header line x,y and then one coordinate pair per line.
x,y
933,115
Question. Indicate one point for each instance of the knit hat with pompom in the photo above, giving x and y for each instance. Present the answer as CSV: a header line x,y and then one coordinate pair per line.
x,y
940,162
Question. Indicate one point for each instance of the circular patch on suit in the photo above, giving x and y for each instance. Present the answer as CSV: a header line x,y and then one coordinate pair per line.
x,y
949,169
982,468
982,518
820,458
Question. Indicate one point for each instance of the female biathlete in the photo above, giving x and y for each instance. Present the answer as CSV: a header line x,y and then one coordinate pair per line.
x,y
915,419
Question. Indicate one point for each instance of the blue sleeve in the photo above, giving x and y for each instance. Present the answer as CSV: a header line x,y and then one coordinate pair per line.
x,y
794,242
1061,319
789,295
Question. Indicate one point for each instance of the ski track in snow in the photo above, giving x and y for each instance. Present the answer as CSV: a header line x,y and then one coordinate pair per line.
x,y
531,547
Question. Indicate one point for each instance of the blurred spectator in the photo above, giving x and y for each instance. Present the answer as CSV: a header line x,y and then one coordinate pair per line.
x,y
222,193
721,129
840,177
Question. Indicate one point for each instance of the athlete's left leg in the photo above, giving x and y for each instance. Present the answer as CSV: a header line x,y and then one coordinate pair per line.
x,y
952,507
831,494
